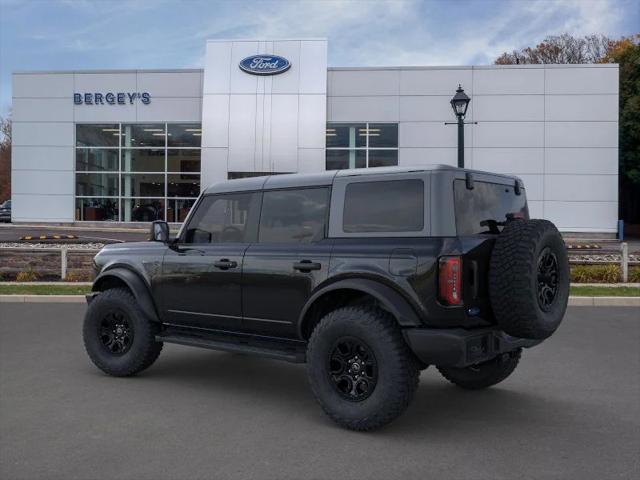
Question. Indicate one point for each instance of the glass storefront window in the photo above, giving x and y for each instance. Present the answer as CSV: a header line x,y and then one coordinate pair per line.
x,y
144,135
184,135
181,185
96,159
178,209
142,160
96,185
142,209
361,145
383,135
103,135
343,159
143,185
96,209
236,175
152,173
346,135
383,158
185,161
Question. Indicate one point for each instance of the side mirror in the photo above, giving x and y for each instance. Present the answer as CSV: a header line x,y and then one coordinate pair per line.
x,y
160,231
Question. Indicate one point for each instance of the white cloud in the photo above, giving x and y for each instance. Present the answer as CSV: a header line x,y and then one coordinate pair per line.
x,y
412,32
172,34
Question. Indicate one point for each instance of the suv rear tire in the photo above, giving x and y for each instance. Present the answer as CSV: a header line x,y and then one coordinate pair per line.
x,y
118,337
529,279
359,367
484,374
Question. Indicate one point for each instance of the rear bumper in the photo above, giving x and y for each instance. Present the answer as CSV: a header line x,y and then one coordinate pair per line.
x,y
457,347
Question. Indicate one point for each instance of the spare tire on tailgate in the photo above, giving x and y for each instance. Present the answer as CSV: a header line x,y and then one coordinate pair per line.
x,y
529,278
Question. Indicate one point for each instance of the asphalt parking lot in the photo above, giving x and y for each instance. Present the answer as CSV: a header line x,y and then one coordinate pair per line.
x,y
571,410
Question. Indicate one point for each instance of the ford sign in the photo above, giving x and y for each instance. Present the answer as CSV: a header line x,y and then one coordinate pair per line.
x,y
265,64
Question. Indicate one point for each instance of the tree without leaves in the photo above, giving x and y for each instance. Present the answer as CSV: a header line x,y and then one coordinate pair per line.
x,y
560,49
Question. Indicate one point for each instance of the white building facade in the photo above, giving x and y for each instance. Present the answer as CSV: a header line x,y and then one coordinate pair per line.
x,y
124,146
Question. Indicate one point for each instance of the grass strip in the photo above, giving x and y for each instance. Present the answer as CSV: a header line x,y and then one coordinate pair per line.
x,y
44,289
595,291
590,291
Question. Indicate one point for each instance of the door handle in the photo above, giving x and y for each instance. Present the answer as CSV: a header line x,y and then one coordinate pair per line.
x,y
306,266
225,264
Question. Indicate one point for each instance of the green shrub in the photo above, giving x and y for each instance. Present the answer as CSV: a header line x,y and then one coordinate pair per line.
x,y
610,273
595,273
27,276
78,276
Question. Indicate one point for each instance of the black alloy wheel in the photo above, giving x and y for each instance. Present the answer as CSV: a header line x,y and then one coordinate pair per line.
x,y
360,368
116,332
353,369
547,279
118,336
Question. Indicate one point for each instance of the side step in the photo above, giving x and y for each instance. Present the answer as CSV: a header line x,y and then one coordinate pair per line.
x,y
289,351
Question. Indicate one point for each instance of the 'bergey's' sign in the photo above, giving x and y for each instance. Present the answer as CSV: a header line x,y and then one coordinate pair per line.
x,y
110,98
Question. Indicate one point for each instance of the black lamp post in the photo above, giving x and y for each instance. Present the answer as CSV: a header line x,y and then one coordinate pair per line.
x,y
460,103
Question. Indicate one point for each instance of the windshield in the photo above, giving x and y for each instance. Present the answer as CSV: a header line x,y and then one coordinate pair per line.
x,y
6,204
484,208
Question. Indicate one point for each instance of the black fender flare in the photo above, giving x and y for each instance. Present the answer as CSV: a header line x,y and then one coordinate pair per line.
x,y
137,286
392,301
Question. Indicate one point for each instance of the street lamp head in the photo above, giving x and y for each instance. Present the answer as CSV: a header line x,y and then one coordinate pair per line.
x,y
460,102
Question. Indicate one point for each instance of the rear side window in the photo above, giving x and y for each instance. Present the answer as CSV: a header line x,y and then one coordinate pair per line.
x,y
385,206
294,216
229,218
484,208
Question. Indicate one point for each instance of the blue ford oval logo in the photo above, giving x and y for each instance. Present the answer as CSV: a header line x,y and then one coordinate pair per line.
x,y
265,64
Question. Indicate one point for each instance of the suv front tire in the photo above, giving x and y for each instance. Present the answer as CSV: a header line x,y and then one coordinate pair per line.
x,y
118,337
360,369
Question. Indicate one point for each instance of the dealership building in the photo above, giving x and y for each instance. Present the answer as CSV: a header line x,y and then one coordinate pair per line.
x,y
139,145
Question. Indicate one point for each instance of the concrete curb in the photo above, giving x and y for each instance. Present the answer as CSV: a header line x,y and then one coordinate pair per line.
x,y
604,301
573,301
606,285
42,299
73,284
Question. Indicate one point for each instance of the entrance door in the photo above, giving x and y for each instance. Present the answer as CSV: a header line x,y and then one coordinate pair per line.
x,y
290,259
201,275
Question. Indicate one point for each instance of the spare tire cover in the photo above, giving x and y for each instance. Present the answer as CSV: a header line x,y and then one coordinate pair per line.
x,y
529,279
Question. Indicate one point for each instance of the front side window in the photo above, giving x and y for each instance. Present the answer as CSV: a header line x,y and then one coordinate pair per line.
x,y
361,145
384,206
294,216
230,218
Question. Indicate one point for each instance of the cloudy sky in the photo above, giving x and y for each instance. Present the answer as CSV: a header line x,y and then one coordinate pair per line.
x,y
104,34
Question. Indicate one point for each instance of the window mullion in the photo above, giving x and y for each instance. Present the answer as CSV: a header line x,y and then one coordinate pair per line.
x,y
367,154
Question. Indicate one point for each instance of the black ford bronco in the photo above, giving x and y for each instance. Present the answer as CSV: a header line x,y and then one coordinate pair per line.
x,y
368,276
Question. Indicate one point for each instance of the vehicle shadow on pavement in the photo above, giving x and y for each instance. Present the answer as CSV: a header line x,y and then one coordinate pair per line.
x,y
281,386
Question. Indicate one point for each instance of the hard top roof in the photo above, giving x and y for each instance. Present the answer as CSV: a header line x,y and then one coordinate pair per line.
x,y
290,180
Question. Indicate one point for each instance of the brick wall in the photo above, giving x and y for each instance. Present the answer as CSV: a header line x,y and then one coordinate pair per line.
x,y
46,264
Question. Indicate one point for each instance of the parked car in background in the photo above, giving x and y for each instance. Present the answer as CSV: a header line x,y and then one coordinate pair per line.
x,y
5,211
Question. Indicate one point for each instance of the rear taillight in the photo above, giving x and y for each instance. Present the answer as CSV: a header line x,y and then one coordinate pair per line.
x,y
450,280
